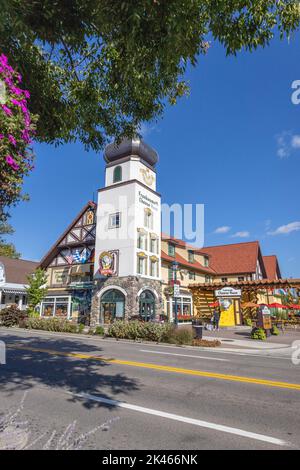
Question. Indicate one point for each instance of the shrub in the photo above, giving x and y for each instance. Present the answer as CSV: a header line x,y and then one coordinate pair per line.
x,y
80,328
248,321
258,333
51,324
138,330
179,335
11,316
99,330
274,330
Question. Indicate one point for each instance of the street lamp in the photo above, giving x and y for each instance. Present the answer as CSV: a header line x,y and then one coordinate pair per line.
x,y
174,269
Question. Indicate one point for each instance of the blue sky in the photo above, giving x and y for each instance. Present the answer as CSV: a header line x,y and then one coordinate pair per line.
x,y
233,145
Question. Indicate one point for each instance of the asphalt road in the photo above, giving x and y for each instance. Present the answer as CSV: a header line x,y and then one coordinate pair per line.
x,y
73,392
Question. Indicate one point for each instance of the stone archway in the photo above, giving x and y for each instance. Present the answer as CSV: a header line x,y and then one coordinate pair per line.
x,y
112,306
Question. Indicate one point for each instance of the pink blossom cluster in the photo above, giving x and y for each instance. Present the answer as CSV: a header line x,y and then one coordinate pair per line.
x,y
18,102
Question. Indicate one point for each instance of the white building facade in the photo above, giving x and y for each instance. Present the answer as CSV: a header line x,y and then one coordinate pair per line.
x,y
127,266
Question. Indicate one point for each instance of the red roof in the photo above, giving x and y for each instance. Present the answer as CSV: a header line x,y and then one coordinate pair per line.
x,y
184,262
272,267
237,258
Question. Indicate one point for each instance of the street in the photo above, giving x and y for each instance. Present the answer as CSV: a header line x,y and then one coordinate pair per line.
x,y
63,391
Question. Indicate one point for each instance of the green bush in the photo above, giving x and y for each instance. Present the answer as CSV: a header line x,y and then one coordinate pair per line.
x,y
274,330
138,330
179,335
80,328
248,322
99,330
258,333
11,316
51,324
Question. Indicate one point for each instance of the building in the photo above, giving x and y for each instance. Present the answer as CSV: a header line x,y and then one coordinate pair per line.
x,y
14,280
113,262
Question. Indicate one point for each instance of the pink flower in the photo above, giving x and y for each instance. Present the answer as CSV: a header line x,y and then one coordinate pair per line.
x,y
12,139
1,136
6,110
11,162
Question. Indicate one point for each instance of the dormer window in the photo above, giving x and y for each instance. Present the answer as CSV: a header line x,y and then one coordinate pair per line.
x,y
191,256
117,174
171,250
206,261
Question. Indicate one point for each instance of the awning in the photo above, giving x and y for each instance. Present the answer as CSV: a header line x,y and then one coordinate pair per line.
x,y
13,291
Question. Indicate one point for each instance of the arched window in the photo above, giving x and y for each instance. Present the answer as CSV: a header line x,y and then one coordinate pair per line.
x,y
112,305
117,174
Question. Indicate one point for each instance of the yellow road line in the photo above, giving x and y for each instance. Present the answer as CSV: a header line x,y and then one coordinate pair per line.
x,y
177,370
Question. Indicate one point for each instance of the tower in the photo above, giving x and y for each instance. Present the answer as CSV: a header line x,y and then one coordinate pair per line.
x,y
128,228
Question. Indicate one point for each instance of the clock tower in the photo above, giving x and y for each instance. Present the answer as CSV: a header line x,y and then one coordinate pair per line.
x,y
127,267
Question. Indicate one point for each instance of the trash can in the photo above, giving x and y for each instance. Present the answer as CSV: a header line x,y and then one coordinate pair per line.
x,y
197,329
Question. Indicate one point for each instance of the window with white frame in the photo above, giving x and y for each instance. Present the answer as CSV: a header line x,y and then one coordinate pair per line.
x,y
114,220
153,243
141,264
58,306
153,267
142,240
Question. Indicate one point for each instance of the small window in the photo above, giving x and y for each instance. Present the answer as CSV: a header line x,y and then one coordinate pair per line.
x,y
141,265
207,278
115,220
191,256
117,174
153,268
148,216
171,249
241,278
192,276
224,279
153,244
206,261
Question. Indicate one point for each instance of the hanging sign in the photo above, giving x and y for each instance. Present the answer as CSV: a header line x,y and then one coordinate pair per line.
x,y
108,263
228,292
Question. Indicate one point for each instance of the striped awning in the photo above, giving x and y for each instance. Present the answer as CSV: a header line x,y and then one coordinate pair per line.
x,y
13,291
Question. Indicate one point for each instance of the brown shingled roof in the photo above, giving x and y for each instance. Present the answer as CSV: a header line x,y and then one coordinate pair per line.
x,y
183,262
272,267
237,258
17,270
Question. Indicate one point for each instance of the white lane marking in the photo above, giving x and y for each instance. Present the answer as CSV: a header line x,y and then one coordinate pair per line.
x,y
184,419
185,355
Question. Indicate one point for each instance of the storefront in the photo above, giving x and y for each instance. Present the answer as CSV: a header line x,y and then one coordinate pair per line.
x,y
184,304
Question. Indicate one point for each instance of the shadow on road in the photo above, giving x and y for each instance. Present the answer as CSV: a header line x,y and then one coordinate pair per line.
x,y
26,369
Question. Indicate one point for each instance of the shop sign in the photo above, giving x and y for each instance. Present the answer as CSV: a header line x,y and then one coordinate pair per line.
x,y
81,285
108,263
228,292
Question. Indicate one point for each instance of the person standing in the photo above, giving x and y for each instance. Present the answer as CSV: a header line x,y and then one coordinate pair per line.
x,y
216,319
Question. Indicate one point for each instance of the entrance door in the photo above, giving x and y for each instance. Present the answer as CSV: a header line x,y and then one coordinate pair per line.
x,y
147,305
237,312
112,306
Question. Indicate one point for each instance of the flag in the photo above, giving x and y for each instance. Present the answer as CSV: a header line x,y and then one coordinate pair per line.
x,y
85,255
69,259
77,256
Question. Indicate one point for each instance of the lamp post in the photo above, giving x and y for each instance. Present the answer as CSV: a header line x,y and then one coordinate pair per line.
x,y
175,268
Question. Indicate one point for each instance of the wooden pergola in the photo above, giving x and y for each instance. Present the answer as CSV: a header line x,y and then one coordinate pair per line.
x,y
204,293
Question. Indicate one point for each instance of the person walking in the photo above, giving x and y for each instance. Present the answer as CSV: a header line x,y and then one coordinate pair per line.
x,y
216,319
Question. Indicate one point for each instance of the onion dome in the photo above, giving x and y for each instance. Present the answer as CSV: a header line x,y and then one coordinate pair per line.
x,y
130,147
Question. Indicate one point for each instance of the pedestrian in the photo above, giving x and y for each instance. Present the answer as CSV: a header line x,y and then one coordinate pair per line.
x,y
216,319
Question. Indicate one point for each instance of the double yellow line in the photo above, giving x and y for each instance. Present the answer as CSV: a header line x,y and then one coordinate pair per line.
x,y
177,370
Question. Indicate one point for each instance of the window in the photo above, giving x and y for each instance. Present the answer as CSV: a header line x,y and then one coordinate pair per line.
x,y
55,306
148,218
153,243
171,249
207,278
115,220
192,276
142,241
224,279
241,278
141,264
206,261
191,256
153,267
117,174
170,274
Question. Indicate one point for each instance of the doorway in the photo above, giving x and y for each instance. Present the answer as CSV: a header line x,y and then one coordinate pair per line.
x,y
112,306
147,305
